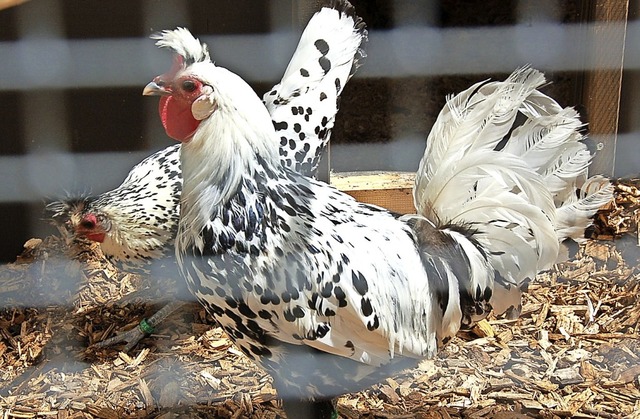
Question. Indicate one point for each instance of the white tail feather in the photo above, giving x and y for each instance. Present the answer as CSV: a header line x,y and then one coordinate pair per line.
x,y
477,118
519,201
341,34
541,141
329,52
570,171
575,214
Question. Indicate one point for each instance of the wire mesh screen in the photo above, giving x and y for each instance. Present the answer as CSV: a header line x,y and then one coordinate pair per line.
x,y
74,121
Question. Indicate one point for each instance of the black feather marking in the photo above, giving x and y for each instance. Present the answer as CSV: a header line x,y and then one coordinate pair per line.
x,y
264,314
325,64
359,282
373,325
298,312
365,307
340,296
327,290
322,330
279,126
288,316
313,249
246,311
322,46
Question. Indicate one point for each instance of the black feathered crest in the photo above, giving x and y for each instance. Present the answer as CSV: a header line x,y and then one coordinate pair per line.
x,y
183,43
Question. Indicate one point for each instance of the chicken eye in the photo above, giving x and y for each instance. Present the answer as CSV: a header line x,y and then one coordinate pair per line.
x,y
88,224
189,85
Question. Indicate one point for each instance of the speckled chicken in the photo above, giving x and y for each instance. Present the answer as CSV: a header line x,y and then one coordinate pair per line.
x,y
330,295
136,223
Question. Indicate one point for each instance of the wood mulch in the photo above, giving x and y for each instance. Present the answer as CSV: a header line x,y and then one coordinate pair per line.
x,y
574,352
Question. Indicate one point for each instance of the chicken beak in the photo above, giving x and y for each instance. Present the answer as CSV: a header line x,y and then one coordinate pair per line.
x,y
154,89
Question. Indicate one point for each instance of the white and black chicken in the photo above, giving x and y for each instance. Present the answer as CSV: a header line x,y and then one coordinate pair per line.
x,y
330,295
136,223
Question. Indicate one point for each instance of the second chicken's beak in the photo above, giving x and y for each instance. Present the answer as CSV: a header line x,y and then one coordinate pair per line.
x,y
154,89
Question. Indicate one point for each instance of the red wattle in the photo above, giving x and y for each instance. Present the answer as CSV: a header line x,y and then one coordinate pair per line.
x,y
177,119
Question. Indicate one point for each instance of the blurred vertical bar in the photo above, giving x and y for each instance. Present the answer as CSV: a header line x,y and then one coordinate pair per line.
x,y
44,111
157,16
603,79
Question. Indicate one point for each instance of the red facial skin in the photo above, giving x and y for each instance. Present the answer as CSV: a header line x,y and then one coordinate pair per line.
x,y
175,106
89,227
176,117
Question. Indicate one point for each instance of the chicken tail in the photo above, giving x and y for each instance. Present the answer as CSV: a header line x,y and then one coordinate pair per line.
x,y
516,190
328,54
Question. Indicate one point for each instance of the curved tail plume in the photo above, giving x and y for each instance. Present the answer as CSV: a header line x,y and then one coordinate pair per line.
x,y
521,189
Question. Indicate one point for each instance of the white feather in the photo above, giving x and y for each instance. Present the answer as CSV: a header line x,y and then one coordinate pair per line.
x,y
205,105
573,216
343,36
520,199
477,118
183,43
332,38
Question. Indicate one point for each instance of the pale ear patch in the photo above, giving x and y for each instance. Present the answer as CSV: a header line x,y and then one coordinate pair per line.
x,y
204,105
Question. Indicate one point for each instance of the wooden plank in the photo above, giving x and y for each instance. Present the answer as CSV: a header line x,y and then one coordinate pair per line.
x,y
603,79
391,190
